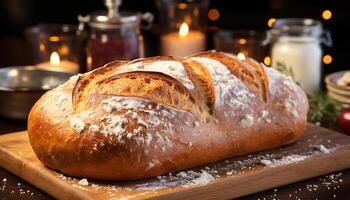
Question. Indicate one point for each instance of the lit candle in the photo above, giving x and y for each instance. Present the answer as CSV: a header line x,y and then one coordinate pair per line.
x,y
183,43
60,65
241,56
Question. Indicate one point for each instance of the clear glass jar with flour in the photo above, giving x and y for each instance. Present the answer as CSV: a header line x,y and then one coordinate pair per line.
x,y
296,45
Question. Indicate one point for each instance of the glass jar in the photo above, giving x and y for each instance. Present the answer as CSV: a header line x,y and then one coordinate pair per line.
x,y
56,47
183,26
113,35
296,47
113,40
242,43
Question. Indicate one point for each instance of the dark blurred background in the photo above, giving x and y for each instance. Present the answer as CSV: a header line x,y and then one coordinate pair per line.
x,y
16,15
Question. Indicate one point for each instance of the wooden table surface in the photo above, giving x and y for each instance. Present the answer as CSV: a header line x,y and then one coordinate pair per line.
x,y
331,186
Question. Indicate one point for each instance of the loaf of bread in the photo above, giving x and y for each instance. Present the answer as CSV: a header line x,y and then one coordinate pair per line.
x,y
143,118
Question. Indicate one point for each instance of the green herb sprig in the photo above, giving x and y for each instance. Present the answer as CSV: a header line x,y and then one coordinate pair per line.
x,y
323,110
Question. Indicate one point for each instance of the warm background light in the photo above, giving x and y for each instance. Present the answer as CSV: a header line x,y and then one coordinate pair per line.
x,y
213,14
241,56
267,60
327,59
242,41
326,14
183,30
271,21
54,38
89,60
182,6
55,59
63,50
42,47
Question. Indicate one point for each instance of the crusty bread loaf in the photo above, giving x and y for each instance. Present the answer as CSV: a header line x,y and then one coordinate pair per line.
x,y
131,120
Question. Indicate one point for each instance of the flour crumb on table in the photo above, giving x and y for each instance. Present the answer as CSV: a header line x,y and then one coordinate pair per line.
x,y
283,160
266,162
181,174
203,178
323,149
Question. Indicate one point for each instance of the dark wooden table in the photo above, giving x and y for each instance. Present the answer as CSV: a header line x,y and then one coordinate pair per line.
x,y
332,186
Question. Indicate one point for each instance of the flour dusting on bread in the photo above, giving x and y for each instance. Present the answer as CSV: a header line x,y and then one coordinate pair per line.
x,y
246,121
77,124
228,89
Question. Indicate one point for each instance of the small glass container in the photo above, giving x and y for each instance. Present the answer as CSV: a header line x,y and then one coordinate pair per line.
x,y
56,46
242,43
114,35
296,44
183,26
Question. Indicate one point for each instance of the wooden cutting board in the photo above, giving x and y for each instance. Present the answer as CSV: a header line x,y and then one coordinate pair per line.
x,y
225,179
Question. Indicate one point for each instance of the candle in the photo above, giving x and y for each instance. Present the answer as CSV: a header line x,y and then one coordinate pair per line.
x,y
60,65
183,43
241,56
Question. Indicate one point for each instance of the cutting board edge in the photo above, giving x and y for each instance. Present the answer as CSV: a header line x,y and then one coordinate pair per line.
x,y
195,189
44,176
228,184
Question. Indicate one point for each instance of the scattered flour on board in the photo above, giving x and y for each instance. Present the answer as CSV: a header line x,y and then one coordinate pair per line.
x,y
203,178
283,160
203,175
323,149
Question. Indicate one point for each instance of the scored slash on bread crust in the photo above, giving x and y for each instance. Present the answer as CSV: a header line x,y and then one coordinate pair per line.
x,y
201,78
254,78
265,83
88,80
154,86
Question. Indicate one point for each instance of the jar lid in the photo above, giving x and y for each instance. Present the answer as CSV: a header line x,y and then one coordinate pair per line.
x,y
101,19
297,26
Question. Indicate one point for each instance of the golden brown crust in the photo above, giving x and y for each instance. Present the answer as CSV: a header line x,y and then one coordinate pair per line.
x,y
131,120
86,81
153,86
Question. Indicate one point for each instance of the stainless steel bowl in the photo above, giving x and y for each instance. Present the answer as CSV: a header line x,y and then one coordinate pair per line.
x,y
22,86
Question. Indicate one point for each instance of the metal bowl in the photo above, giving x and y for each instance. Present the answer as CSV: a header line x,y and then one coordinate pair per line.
x,y
22,86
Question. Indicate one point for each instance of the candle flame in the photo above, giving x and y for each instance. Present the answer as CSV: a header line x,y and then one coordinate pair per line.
x,y
241,56
183,30
242,41
55,59
54,39
267,60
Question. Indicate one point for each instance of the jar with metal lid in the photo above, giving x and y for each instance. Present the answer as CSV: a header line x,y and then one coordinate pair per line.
x,y
113,35
296,45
